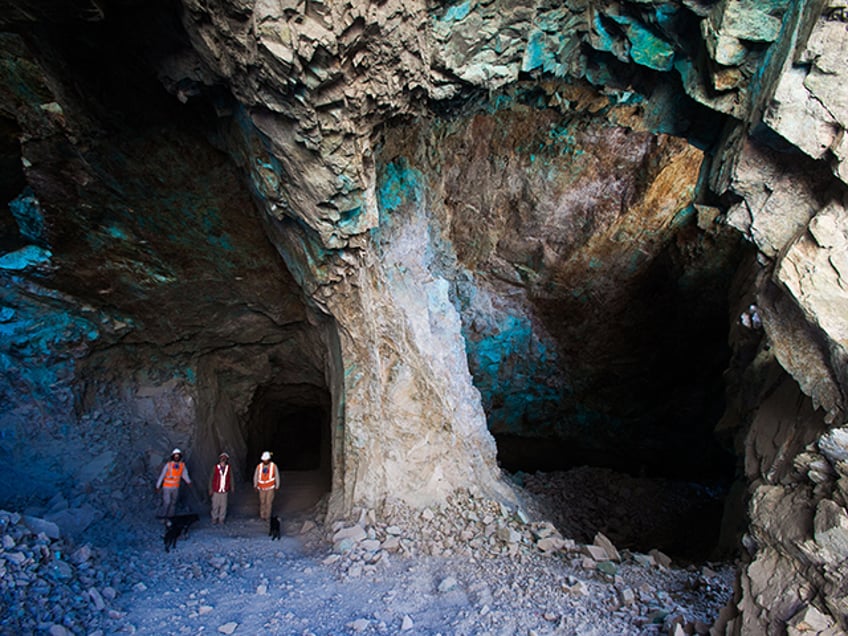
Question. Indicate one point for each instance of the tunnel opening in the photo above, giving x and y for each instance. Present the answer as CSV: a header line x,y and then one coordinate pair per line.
x,y
292,422
635,454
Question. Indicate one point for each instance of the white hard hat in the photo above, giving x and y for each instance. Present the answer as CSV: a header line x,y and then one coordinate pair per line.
x,y
265,456
224,454
175,451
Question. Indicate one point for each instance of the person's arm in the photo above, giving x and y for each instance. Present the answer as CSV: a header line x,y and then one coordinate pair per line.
x,y
277,480
256,478
186,478
162,476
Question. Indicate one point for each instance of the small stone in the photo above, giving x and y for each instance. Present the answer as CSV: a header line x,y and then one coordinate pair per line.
x,y
406,624
508,535
550,544
37,525
370,545
15,557
809,621
645,560
663,560
545,529
262,590
354,533
96,599
578,589
204,609
677,630
601,541
81,555
447,584
58,630
228,628
607,567
596,552
392,544
359,625
627,596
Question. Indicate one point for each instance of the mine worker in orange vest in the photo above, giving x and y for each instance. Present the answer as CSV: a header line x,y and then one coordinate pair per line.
x,y
266,480
169,482
220,485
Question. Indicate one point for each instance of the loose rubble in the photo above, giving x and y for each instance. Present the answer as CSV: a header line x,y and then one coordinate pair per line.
x,y
470,566
48,585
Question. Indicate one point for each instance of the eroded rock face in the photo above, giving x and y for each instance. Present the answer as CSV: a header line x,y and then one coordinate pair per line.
x,y
143,304
457,191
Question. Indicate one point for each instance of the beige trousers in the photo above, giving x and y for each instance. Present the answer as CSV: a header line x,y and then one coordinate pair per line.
x,y
266,503
219,506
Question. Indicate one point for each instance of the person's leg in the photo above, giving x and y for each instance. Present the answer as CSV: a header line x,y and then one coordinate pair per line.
x,y
223,512
265,504
215,512
169,500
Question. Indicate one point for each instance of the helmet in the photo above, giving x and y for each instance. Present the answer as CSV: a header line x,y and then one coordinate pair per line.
x,y
265,456
175,451
223,454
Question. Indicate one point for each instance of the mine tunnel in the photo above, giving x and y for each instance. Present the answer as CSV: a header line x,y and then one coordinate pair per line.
x,y
649,372
292,422
649,466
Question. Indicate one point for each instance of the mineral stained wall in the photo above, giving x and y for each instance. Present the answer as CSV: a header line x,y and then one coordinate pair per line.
x,y
466,198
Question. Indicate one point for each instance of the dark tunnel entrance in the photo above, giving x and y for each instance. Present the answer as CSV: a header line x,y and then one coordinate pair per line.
x,y
632,449
292,422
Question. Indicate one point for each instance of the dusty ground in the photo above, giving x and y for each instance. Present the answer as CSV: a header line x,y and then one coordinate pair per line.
x,y
471,567
235,576
451,571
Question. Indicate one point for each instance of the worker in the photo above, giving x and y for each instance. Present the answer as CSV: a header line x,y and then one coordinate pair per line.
x,y
266,481
220,485
172,473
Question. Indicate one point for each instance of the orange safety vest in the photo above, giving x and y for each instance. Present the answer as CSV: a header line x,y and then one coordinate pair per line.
x,y
266,476
173,474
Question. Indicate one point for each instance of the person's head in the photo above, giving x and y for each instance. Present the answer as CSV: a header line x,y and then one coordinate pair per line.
x,y
266,457
223,458
176,454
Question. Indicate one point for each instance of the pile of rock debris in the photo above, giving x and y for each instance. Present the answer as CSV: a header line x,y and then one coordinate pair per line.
x,y
49,586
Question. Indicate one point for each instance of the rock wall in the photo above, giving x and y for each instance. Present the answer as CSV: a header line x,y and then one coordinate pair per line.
x,y
318,83
793,411
444,182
